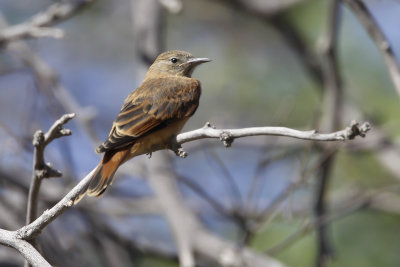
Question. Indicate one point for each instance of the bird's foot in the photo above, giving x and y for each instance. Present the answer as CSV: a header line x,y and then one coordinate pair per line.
x,y
181,153
178,150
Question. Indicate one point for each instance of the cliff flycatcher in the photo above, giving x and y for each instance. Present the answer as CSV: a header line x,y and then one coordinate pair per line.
x,y
151,116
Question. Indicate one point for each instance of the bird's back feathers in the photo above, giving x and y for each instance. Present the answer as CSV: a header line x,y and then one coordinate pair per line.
x,y
151,107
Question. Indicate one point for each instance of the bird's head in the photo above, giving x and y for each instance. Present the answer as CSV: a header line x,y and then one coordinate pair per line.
x,y
177,63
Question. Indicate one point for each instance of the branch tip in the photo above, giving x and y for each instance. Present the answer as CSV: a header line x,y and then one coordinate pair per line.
x,y
356,130
65,132
67,117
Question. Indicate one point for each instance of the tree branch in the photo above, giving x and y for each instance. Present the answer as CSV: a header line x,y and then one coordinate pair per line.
x,y
367,20
333,95
34,228
31,230
10,238
227,136
37,26
49,83
41,169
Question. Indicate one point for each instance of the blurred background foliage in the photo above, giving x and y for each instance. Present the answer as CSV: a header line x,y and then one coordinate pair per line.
x,y
255,79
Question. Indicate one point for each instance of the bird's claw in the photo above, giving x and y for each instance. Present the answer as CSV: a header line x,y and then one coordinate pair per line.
x,y
181,153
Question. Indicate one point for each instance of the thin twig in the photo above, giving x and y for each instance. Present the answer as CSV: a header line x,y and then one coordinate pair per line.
x,y
207,197
315,224
268,212
227,136
48,82
37,26
41,169
367,20
232,186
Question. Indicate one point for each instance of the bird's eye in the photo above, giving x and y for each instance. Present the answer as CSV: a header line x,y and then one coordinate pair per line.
x,y
174,60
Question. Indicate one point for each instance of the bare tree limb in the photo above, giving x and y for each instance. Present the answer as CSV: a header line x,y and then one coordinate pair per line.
x,y
41,169
23,31
31,230
10,238
367,20
227,136
333,94
49,83
37,26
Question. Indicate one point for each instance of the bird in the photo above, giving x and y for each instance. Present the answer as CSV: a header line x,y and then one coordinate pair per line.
x,y
150,118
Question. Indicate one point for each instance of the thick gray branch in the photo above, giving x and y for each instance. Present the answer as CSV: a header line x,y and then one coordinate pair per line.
x,y
9,238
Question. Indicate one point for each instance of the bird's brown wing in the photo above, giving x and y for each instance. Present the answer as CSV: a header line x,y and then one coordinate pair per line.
x,y
152,106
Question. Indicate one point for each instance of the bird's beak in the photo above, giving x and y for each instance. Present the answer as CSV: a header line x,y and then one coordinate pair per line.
x,y
198,60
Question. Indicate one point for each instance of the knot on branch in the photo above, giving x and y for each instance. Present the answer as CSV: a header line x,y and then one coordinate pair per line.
x,y
208,125
25,233
47,171
226,138
355,129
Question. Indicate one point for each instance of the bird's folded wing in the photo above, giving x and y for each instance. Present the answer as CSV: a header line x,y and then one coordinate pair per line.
x,y
152,106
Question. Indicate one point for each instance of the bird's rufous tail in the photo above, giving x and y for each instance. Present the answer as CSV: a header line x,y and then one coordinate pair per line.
x,y
104,174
